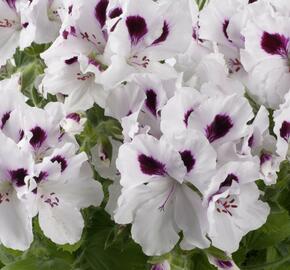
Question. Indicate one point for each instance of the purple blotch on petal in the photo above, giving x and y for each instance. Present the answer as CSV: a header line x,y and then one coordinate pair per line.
x,y
275,44
187,159
61,160
186,116
229,180
151,166
42,176
38,137
151,101
74,116
100,11
137,28
18,176
285,131
25,25
252,1
224,264
265,157
4,119
164,34
251,141
116,12
220,126
11,3
71,61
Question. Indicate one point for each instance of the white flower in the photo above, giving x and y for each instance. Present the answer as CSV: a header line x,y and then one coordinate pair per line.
x,y
154,198
16,223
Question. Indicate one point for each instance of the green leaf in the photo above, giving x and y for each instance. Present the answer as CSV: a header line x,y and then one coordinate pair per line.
x,y
276,229
33,263
95,256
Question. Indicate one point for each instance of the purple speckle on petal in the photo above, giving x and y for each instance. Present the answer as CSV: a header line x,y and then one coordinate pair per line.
x,y
285,131
224,264
275,44
151,101
137,28
220,126
74,116
4,119
116,12
38,137
151,166
71,61
18,176
187,159
186,116
229,180
61,160
100,12
164,34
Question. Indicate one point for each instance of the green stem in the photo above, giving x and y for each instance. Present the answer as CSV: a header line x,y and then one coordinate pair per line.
x,y
267,265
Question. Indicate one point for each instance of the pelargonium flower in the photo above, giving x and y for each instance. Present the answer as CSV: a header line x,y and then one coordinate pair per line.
x,y
138,105
233,204
155,198
15,171
282,127
62,186
142,37
222,119
15,30
266,57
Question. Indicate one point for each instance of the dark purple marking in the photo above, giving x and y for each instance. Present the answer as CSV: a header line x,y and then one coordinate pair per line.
x,y
116,12
151,101
42,176
224,264
285,131
115,25
275,44
252,1
187,159
229,180
164,34
74,116
70,8
186,116
251,141
25,25
137,28
18,176
225,27
71,61
11,3
220,126
38,137
100,12
265,157
61,160
151,166
4,119
21,134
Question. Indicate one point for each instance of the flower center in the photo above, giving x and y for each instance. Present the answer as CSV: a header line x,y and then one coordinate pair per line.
x,y
226,205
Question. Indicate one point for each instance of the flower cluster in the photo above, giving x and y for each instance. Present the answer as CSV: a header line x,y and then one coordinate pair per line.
x,y
182,83
41,172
